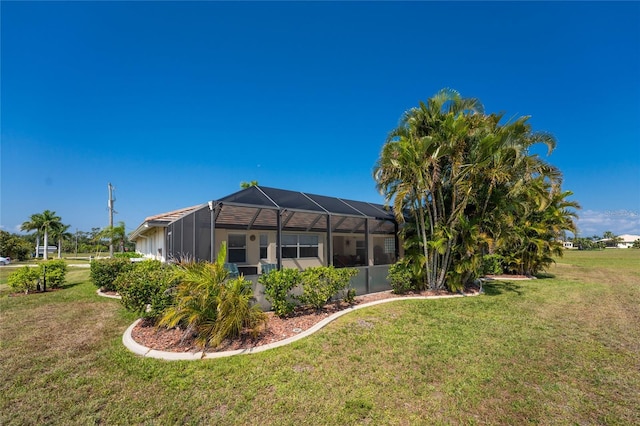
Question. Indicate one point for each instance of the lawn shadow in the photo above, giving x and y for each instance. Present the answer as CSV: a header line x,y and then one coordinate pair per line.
x,y
495,288
545,275
70,285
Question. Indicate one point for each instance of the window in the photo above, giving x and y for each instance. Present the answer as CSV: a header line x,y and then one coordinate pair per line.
x,y
299,246
390,245
237,248
264,245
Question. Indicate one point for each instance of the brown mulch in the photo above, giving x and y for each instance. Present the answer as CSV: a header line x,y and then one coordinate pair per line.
x,y
176,340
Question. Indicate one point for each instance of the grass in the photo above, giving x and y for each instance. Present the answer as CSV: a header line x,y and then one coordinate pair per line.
x,y
561,350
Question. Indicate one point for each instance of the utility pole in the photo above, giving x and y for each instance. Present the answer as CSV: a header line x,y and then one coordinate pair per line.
x,y
111,211
76,242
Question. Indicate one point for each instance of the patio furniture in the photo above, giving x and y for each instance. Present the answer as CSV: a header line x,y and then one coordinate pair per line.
x,y
233,270
268,267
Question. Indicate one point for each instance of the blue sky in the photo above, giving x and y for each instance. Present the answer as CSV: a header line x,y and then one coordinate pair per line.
x,y
176,103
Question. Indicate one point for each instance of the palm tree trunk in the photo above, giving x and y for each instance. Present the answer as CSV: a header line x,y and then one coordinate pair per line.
x,y
46,244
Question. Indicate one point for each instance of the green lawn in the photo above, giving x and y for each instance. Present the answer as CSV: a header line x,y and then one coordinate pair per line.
x,y
561,350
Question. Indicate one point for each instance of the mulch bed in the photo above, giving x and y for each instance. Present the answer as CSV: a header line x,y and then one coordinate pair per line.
x,y
176,340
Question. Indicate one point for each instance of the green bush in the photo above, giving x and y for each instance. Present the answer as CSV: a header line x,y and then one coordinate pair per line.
x,y
206,304
146,283
401,277
128,255
319,284
277,288
54,271
105,271
237,311
24,279
492,264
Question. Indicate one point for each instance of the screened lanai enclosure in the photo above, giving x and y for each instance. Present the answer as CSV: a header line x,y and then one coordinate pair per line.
x,y
274,228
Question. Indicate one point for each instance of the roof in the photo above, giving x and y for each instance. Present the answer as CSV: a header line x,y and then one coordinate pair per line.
x,y
257,207
629,238
162,219
172,215
265,197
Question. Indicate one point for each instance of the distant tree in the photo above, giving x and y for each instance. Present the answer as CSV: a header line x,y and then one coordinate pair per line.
x,y
115,233
245,185
612,239
636,244
14,246
44,223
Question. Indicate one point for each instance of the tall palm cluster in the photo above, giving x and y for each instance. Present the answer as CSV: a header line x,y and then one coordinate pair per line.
x,y
467,185
47,224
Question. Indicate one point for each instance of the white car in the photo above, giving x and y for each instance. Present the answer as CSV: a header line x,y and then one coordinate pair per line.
x,y
5,260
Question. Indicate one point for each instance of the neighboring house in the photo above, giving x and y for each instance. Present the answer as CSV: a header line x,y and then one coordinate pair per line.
x,y
627,240
568,244
280,228
50,250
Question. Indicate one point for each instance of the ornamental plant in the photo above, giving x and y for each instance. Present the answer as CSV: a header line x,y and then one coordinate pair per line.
x,y
277,288
146,288
401,277
105,271
54,271
24,279
321,283
211,307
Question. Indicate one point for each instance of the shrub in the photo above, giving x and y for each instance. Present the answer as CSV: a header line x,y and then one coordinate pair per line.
x,y
400,276
350,296
127,255
146,283
54,271
205,303
321,283
492,264
236,311
24,279
277,288
105,271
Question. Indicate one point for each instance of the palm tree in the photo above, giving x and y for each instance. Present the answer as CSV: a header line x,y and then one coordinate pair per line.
x,y
245,185
43,222
33,224
422,169
60,234
470,187
117,234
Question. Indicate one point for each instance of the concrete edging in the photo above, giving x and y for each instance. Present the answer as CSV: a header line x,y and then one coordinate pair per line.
x,y
101,294
144,351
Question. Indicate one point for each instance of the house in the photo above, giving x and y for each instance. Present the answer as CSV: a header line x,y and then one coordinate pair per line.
x,y
627,240
150,237
270,226
50,250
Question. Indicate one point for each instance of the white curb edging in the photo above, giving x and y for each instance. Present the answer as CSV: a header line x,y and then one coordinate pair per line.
x,y
100,293
144,351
